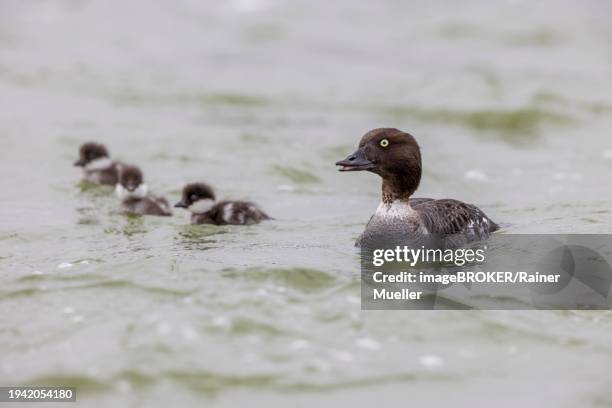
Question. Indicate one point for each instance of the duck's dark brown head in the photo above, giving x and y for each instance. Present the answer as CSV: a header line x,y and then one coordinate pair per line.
x,y
89,152
392,154
197,198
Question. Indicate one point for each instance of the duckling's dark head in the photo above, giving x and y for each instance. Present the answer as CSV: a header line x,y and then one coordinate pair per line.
x,y
197,197
392,154
131,184
89,152
131,178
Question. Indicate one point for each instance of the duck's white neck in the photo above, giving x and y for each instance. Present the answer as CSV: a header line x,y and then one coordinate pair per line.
x,y
201,206
124,194
102,163
395,209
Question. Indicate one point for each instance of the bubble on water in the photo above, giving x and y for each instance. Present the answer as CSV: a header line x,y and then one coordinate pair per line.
x,y
188,300
512,349
431,361
466,353
246,6
68,310
563,176
368,343
517,171
92,371
607,154
320,365
353,300
250,358
123,386
300,344
190,334
7,368
344,356
65,265
253,339
78,319
555,189
476,175
285,187
221,321
37,273
85,262
164,328
151,318
302,310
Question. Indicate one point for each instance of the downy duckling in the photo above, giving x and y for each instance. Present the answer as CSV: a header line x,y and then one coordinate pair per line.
x,y
135,196
199,199
97,165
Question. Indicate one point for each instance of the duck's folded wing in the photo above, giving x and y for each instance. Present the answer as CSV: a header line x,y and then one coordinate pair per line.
x,y
452,217
417,202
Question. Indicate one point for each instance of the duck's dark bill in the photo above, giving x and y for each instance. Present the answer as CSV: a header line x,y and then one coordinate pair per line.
x,y
355,168
355,162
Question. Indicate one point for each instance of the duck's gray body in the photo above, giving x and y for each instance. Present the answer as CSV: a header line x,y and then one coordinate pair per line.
x,y
452,223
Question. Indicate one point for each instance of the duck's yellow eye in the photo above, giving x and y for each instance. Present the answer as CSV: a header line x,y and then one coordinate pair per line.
x,y
384,143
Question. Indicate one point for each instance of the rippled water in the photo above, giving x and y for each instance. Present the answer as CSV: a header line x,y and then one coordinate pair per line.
x,y
510,102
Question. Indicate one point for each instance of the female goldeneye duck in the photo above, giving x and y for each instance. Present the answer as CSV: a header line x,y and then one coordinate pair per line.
x,y
199,199
396,157
135,197
97,165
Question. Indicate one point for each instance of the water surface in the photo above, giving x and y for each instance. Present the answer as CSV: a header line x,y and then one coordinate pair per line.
x,y
509,100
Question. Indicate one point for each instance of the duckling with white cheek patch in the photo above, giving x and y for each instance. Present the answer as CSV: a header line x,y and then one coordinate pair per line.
x,y
396,157
135,197
97,165
199,199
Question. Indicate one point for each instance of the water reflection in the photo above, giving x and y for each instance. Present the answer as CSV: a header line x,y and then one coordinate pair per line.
x,y
198,237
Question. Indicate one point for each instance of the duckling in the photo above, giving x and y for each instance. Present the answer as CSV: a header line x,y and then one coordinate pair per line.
x,y
135,196
199,199
97,166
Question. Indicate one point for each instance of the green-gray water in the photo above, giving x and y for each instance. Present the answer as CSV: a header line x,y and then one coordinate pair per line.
x,y
510,102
